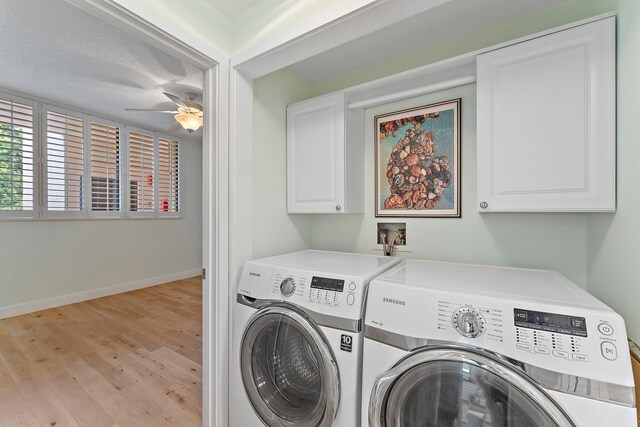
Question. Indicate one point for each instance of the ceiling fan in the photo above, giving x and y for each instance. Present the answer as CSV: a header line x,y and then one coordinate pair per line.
x,y
188,115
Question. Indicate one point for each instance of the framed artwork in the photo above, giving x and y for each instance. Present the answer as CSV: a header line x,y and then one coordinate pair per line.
x,y
418,162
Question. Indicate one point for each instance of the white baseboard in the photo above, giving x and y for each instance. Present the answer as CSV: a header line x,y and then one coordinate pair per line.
x,y
43,304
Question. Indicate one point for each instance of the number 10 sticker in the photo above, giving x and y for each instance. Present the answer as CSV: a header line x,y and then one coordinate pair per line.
x,y
346,343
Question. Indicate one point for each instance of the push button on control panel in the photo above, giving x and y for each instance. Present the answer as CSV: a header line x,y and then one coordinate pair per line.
x,y
605,329
351,298
580,357
560,353
541,350
609,350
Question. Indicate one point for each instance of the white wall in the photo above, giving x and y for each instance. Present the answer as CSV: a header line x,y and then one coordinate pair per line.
x,y
46,259
201,24
275,231
195,22
269,19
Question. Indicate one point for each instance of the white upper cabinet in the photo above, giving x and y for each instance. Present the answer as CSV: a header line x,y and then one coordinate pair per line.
x,y
546,123
325,170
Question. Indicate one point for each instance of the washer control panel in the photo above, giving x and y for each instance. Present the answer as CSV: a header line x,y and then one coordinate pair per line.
x,y
562,336
332,291
316,289
289,284
288,287
468,321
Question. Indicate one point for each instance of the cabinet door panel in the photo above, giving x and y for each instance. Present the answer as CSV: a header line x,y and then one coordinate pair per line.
x,y
315,155
546,137
313,162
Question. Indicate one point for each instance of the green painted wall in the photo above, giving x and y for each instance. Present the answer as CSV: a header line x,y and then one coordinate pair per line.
x,y
51,259
565,13
598,251
275,231
552,241
614,239
609,270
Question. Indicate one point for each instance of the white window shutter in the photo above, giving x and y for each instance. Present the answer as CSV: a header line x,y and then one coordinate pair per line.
x,y
106,171
17,193
64,162
141,172
169,192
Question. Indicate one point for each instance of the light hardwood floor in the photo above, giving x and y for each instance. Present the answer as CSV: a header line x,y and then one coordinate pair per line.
x,y
133,359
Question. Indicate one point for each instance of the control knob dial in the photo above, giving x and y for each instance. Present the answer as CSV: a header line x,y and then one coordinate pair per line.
x,y
287,287
468,322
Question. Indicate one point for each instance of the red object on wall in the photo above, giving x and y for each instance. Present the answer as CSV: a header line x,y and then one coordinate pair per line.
x,y
165,206
150,180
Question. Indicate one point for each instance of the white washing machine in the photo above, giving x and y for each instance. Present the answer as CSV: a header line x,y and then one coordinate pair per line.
x,y
297,339
465,345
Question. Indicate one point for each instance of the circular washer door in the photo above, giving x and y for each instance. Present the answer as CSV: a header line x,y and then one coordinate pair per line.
x,y
458,387
288,369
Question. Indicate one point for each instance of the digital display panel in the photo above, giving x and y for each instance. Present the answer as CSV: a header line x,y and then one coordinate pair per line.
x,y
550,322
327,284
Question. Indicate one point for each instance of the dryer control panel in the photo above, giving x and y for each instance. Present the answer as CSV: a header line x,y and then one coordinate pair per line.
x,y
562,336
537,318
470,321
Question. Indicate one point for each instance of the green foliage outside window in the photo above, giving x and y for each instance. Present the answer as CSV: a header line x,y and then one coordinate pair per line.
x,y
11,167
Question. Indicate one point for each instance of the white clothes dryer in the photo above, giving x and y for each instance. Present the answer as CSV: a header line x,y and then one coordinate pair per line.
x,y
297,339
464,345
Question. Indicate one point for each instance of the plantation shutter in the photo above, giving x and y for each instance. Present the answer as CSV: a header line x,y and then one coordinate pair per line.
x,y
16,157
65,162
105,167
168,176
141,172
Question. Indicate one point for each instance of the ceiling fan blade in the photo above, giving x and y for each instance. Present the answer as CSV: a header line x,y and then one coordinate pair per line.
x,y
193,105
175,127
176,100
152,110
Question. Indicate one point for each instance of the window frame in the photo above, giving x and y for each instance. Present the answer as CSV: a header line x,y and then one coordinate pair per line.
x,y
40,211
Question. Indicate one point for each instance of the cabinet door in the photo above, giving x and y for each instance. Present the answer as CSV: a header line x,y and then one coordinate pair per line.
x,y
316,155
546,123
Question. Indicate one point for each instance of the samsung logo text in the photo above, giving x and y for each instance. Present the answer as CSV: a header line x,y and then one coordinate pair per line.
x,y
393,301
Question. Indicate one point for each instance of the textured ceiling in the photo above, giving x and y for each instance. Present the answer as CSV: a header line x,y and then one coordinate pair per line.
x,y
233,8
53,50
420,32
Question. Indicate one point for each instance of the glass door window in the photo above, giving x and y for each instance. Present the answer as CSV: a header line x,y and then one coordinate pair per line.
x,y
288,370
456,388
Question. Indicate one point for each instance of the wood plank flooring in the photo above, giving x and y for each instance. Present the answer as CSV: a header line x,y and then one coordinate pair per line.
x,y
132,359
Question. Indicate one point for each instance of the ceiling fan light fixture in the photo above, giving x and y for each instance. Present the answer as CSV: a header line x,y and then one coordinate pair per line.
x,y
189,121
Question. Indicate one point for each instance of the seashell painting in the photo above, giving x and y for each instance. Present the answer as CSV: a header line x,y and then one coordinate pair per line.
x,y
418,161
